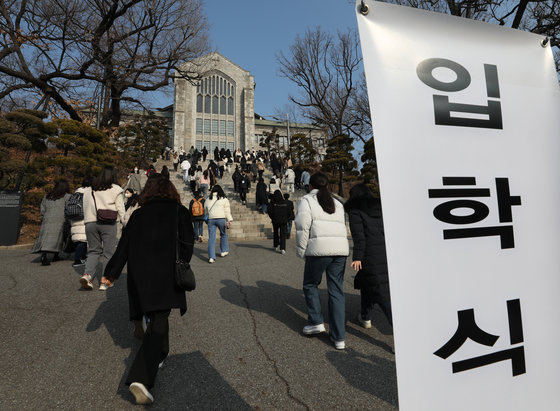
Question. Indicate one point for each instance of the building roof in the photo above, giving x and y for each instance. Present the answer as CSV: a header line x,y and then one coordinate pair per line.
x,y
207,58
282,124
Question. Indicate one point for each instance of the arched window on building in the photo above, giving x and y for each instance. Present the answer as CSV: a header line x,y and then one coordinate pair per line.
x,y
215,105
199,103
215,109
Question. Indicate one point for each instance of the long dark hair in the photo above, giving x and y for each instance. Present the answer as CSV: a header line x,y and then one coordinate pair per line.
x,y
158,187
277,197
86,182
362,198
60,188
321,182
105,179
165,172
219,192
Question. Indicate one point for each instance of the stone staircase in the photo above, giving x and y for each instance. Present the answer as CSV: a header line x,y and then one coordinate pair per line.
x,y
248,222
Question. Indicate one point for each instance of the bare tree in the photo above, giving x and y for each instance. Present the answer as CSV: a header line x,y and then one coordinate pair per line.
x,y
325,68
67,49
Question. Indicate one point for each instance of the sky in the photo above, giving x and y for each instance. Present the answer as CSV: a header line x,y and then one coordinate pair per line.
x,y
252,32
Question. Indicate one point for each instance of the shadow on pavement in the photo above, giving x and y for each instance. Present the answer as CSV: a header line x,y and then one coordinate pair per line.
x,y
113,314
189,381
276,300
201,251
369,373
264,247
286,304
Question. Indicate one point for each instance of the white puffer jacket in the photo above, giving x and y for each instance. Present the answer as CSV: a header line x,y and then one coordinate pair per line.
x,y
320,234
77,227
217,208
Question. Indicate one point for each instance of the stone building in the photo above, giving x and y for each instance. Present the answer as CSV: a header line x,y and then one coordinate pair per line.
x,y
219,110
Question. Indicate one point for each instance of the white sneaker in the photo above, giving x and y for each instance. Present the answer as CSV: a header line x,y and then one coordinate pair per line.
x,y
85,280
314,329
211,260
339,345
224,254
362,322
103,287
282,251
141,393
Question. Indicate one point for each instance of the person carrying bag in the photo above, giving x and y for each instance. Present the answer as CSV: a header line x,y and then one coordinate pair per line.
x,y
157,247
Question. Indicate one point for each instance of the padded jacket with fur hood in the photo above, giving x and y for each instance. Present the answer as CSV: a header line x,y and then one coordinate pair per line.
x,y
319,234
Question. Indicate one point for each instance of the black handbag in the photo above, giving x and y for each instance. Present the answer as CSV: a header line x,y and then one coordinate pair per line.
x,y
184,275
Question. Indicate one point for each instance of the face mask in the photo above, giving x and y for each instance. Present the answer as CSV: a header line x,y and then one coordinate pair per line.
x,y
128,195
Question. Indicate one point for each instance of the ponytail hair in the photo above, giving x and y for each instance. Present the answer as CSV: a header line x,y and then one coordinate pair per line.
x,y
321,182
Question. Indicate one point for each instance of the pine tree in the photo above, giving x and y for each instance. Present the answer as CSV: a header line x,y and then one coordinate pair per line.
x,y
302,150
140,142
339,158
21,131
369,168
84,150
270,141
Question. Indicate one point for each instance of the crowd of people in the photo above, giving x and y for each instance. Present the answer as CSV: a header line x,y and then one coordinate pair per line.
x,y
157,230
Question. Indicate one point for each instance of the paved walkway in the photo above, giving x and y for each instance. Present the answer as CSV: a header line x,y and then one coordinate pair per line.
x,y
239,346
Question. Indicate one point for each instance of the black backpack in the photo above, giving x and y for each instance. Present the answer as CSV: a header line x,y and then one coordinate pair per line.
x,y
74,207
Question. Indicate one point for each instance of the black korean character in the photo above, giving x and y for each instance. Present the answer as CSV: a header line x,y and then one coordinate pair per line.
x,y
467,328
443,107
443,212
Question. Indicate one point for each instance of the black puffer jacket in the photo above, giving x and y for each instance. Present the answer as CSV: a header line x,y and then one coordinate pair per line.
x,y
366,225
279,212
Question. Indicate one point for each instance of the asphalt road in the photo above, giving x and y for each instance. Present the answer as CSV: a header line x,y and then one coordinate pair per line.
x,y
239,346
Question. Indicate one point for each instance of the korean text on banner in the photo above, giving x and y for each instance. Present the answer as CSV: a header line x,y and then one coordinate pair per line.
x,y
465,116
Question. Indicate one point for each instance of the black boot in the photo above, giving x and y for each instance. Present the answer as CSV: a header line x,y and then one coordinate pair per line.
x,y
44,259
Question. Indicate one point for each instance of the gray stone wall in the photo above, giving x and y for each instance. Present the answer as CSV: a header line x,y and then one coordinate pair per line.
x,y
185,102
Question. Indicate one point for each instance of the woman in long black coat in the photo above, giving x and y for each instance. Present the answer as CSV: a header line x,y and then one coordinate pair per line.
x,y
279,213
369,256
148,245
261,195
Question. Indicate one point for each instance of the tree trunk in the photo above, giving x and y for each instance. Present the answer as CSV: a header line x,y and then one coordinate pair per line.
x,y
340,187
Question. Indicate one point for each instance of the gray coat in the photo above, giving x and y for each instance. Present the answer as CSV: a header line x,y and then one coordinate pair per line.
x,y
50,236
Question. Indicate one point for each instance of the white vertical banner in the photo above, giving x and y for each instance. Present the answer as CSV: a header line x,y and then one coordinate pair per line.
x,y
467,136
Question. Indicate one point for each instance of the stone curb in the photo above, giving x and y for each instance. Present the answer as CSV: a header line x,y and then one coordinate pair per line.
x,y
14,247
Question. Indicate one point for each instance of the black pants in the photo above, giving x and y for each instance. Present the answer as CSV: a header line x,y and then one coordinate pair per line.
x,y
370,296
154,349
279,235
243,194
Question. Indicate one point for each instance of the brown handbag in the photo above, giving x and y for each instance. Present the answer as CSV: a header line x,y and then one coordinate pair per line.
x,y
104,216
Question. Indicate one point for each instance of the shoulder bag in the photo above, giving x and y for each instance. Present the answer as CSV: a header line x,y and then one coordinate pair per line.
x,y
104,216
205,218
184,275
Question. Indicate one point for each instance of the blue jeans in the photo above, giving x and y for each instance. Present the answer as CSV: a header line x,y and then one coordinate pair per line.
x,y
198,228
264,208
213,224
313,272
